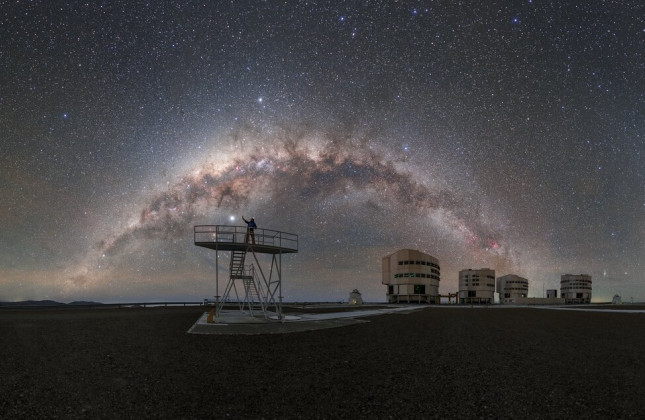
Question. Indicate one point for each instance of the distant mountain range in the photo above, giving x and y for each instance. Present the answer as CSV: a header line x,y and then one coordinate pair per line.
x,y
46,303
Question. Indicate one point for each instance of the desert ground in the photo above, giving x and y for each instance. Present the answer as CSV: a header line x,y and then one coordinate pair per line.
x,y
436,362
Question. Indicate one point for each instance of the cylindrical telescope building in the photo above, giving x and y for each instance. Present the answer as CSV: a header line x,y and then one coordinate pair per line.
x,y
477,286
575,288
510,287
411,277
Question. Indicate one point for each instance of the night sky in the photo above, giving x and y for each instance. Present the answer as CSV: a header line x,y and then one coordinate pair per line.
x,y
500,134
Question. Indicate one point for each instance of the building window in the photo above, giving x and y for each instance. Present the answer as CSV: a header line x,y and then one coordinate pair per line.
x,y
471,293
419,289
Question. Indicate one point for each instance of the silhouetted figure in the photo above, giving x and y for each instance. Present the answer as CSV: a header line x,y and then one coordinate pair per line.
x,y
250,230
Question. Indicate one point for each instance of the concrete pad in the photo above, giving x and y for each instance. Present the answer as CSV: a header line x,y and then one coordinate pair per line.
x,y
256,327
242,322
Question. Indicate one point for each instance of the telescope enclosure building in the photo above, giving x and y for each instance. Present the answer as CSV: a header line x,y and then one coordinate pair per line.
x,y
477,286
575,288
411,276
512,288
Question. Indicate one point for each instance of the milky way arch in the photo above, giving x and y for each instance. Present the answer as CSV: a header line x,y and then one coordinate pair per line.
x,y
297,175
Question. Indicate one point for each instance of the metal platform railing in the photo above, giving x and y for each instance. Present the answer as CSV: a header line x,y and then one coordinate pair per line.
x,y
226,234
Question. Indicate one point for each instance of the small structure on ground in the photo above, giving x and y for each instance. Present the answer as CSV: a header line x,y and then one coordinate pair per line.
x,y
355,298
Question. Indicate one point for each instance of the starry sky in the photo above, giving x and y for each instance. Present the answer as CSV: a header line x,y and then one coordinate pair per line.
x,y
500,134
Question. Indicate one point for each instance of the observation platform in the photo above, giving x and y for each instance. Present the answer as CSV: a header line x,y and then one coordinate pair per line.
x,y
233,238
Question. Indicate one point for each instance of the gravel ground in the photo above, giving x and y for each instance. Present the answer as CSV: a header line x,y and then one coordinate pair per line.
x,y
433,363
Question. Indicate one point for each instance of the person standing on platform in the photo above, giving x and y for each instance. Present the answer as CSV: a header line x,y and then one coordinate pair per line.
x,y
250,230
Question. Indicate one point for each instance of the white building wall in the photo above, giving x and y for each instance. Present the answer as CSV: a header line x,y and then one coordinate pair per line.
x,y
477,286
411,276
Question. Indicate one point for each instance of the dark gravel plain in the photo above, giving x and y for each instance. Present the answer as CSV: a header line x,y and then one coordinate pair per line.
x,y
432,363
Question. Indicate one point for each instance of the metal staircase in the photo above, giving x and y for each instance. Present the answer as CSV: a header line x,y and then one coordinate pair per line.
x,y
251,297
237,263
